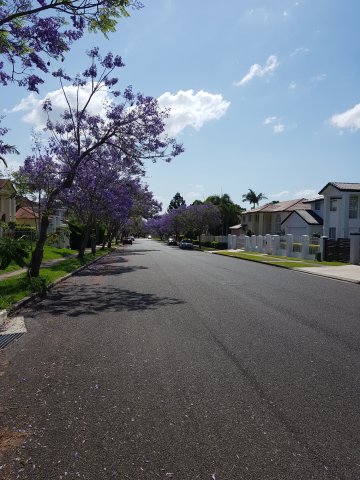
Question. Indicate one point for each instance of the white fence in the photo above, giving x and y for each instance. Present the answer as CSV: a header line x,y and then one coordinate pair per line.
x,y
288,245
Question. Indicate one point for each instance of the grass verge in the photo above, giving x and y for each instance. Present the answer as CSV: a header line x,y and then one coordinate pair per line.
x,y
50,253
16,288
279,261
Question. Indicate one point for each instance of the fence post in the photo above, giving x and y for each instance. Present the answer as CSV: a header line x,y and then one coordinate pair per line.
x,y
275,244
355,248
267,242
289,245
304,246
234,238
260,243
253,243
247,243
323,248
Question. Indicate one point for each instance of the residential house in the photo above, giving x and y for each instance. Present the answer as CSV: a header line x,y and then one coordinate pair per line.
x,y
237,230
7,201
268,218
341,209
27,216
305,222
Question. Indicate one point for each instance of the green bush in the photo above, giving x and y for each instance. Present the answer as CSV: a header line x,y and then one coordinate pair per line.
x,y
25,231
13,250
219,245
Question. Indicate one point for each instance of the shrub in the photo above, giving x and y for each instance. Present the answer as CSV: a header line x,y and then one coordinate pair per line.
x,y
26,231
219,245
13,250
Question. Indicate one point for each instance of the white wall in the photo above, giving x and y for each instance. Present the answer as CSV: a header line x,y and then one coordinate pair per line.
x,y
340,218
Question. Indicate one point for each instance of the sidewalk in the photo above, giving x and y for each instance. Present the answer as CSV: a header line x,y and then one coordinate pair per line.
x,y
348,273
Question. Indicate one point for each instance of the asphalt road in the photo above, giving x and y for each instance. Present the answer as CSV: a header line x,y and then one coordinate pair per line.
x,y
158,363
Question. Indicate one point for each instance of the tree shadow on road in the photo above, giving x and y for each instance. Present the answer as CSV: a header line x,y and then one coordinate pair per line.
x,y
76,300
143,251
108,269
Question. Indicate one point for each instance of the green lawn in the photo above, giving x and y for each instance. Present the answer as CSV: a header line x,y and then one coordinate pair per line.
x,y
287,262
15,288
50,253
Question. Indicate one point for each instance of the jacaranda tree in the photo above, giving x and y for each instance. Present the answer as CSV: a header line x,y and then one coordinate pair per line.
x,y
131,124
192,221
96,196
35,34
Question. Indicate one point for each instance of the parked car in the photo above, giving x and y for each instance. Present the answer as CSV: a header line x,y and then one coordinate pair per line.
x,y
149,237
186,244
132,238
172,241
127,241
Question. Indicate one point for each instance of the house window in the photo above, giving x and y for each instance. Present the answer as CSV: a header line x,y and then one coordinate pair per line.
x,y
333,204
317,205
332,233
249,217
353,206
257,217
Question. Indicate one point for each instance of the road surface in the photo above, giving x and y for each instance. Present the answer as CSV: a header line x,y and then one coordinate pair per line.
x,y
158,363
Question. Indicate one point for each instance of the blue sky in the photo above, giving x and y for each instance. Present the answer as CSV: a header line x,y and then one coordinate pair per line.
x,y
264,94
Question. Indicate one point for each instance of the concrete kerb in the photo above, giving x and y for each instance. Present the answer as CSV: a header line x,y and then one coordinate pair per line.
x,y
24,301
296,269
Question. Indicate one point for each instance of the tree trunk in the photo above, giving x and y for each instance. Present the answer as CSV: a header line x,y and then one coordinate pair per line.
x,y
84,242
93,242
38,253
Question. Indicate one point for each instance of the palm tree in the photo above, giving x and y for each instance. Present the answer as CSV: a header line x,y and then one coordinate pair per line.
x,y
253,198
8,149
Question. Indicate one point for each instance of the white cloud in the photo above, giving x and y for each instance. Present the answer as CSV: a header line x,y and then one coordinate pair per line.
x,y
292,86
257,70
270,120
299,51
278,127
306,193
349,119
33,106
191,196
196,193
280,194
319,78
256,14
189,109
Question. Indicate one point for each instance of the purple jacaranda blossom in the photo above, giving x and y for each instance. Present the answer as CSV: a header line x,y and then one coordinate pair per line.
x,y
79,146
36,33
192,220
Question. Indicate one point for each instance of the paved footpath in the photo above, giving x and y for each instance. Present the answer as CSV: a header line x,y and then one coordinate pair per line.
x,y
349,273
